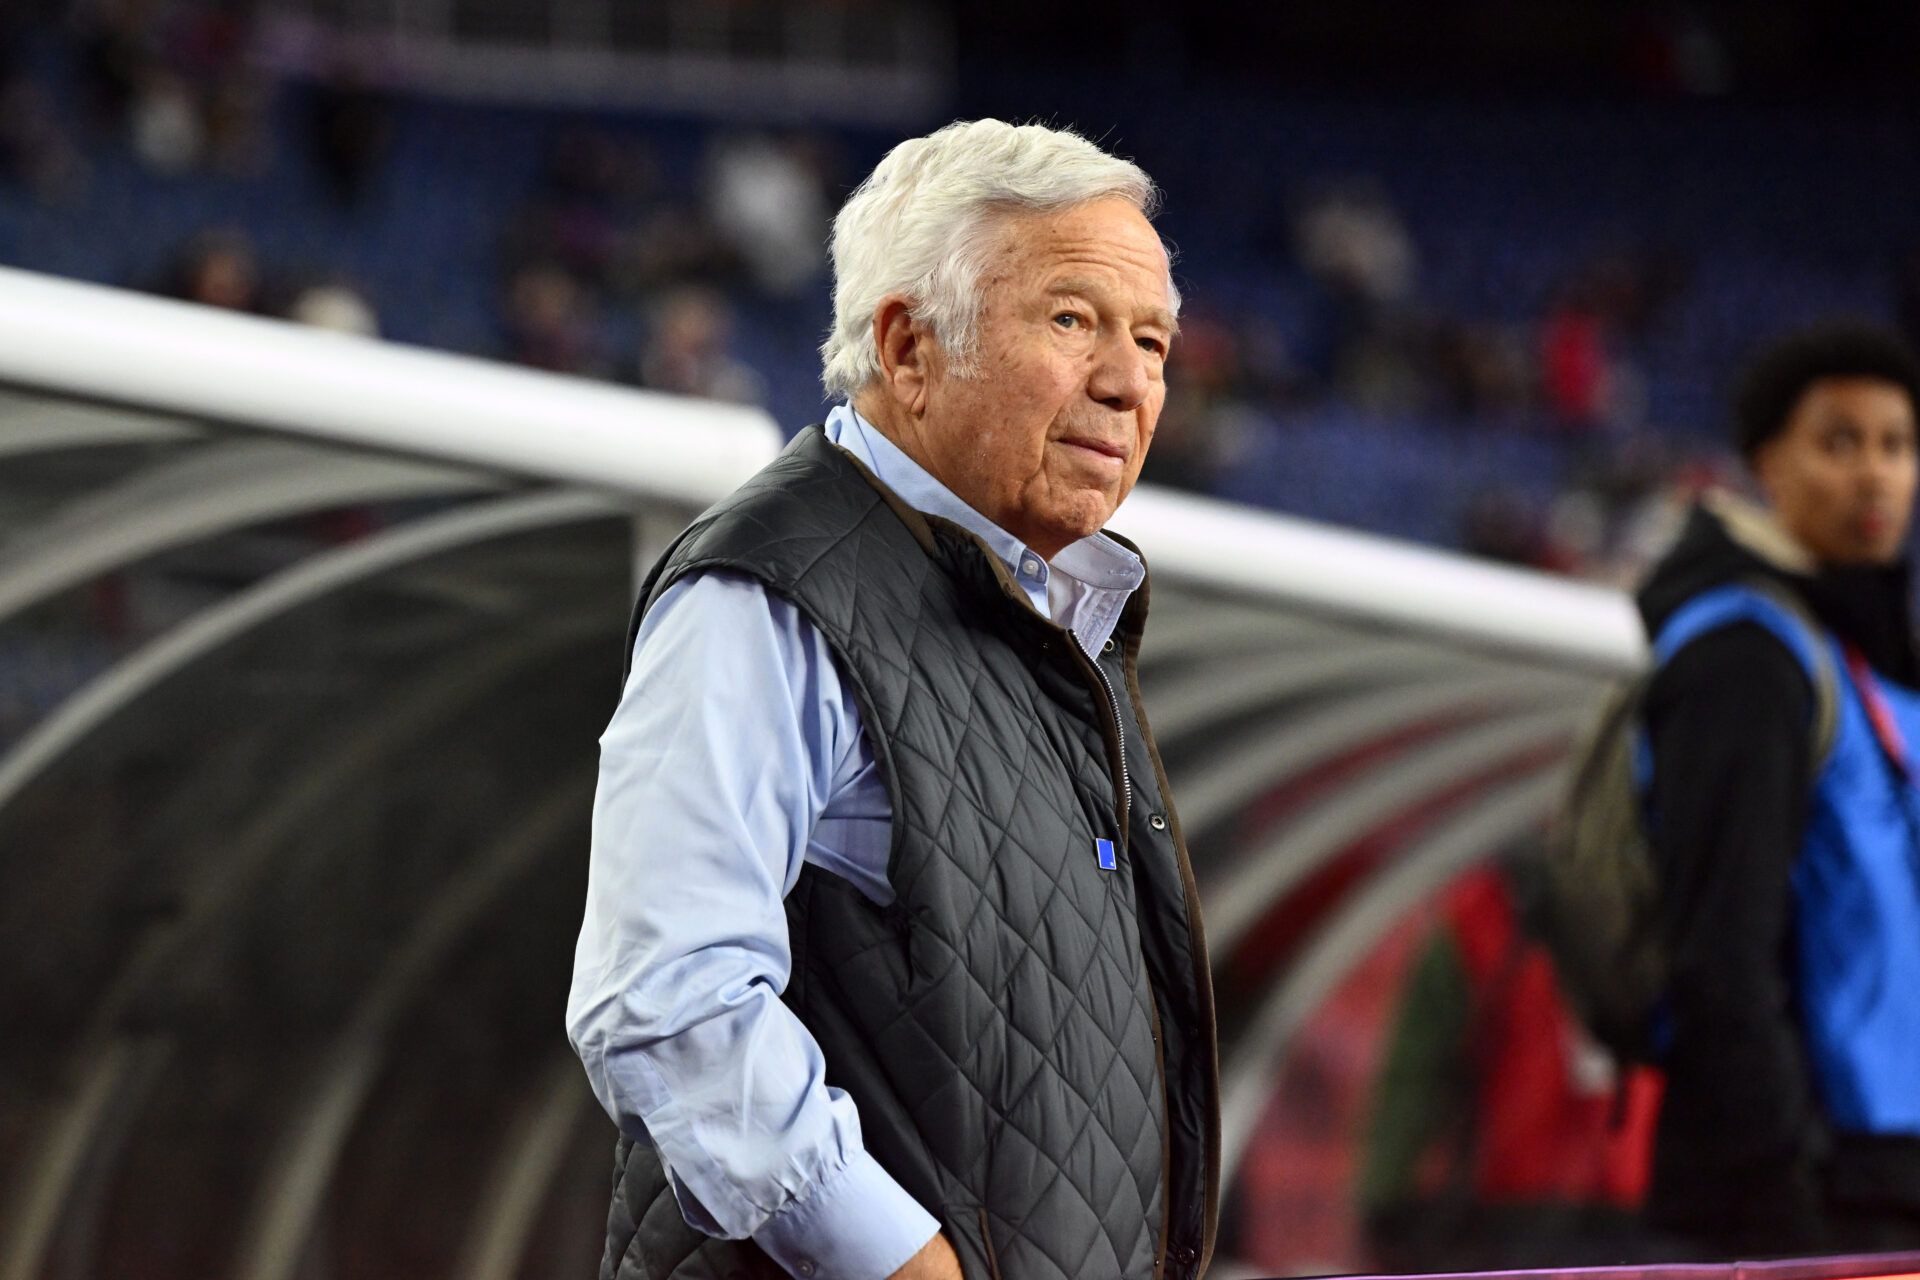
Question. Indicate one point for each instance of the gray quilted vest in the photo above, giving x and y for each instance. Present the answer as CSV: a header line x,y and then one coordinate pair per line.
x,y
1029,1036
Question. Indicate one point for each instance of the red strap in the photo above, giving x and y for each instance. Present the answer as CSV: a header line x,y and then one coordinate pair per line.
x,y
1885,728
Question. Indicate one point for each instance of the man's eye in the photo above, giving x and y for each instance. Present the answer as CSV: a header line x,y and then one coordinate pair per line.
x,y
1067,320
1152,346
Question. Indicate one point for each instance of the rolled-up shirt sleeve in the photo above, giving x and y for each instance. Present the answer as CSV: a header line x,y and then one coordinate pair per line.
x,y
730,737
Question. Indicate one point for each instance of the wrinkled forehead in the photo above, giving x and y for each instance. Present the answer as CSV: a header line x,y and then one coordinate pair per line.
x,y
1102,246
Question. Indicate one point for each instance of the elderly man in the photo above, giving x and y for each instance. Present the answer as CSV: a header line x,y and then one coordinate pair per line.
x,y
892,963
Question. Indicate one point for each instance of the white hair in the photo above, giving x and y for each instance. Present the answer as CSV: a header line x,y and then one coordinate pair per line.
x,y
918,227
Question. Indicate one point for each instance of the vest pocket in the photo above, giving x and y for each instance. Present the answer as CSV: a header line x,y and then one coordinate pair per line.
x,y
986,1246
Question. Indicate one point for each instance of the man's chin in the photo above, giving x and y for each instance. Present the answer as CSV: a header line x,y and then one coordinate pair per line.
x,y
1867,556
1083,523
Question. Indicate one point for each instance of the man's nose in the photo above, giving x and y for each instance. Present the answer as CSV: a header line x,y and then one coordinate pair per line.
x,y
1120,379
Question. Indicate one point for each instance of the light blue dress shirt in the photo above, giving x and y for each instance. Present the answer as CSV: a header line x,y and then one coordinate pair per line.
x,y
736,756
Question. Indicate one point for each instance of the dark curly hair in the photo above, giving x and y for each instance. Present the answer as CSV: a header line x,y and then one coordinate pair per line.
x,y
1774,383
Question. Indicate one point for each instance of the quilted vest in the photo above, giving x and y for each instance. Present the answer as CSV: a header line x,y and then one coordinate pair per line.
x,y
1028,1029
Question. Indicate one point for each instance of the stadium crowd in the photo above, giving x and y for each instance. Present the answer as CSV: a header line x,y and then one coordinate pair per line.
x,y
702,272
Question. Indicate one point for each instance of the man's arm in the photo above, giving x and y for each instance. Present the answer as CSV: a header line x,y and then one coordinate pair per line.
x,y
1730,725
720,758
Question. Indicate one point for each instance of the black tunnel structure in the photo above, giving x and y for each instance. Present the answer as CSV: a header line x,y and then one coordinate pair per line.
x,y
300,686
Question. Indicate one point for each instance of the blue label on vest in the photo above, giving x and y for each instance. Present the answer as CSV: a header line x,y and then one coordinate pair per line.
x,y
1104,850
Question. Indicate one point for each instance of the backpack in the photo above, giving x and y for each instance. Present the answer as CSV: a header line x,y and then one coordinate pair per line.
x,y
1596,897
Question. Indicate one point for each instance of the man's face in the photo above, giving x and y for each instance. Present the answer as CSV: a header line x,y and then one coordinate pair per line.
x,y
1047,436
1841,475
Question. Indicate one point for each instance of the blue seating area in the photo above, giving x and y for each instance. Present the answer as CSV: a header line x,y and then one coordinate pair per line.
x,y
1779,215
1405,477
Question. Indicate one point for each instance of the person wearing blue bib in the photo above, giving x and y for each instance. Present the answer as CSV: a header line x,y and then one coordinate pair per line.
x,y
1789,857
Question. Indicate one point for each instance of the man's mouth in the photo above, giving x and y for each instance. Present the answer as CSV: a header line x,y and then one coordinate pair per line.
x,y
1105,449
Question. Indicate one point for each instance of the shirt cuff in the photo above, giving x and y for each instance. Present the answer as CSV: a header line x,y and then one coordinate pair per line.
x,y
857,1225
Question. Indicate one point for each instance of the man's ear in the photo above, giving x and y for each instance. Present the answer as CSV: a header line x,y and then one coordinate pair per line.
x,y
905,347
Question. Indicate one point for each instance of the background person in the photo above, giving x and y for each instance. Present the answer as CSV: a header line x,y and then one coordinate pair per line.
x,y
1791,886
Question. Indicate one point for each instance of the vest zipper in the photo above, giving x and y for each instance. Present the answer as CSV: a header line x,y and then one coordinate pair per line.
x,y
1146,973
1119,733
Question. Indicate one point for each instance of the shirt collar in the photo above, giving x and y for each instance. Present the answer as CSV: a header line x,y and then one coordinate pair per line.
x,y
1083,589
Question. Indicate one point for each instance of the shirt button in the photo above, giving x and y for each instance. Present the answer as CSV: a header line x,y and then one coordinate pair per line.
x,y
1031,568
1157,822
806,1266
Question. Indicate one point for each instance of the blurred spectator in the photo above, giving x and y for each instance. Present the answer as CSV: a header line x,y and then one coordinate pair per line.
x,y
1622,505
1355,245
118,50
1353,241
1576,368
36,152
163,122
1501,1135
687,354
350,131
337,307
768,198
1605,309
595,190
175,81
673,245
1207,417
209,46
1480,371
1574,537
598,170
216,269
235,116
1618,509
1646,530
1643,281
552,324
1498,525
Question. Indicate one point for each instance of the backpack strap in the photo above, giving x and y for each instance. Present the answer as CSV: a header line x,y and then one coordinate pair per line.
x,y
1886,729
1787,619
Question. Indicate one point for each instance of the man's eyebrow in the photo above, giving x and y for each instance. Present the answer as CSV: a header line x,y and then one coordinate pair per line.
x,y
1157,316
1074,284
